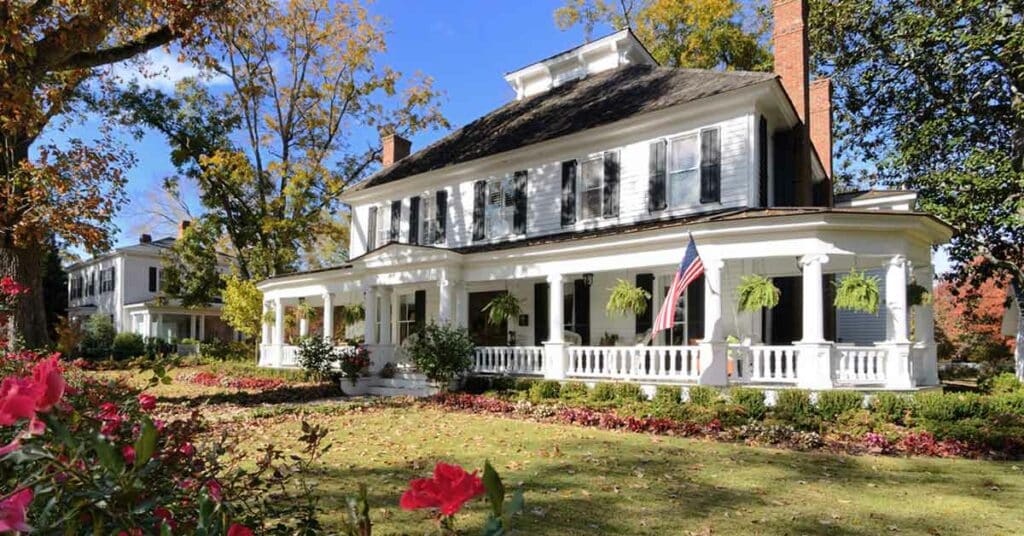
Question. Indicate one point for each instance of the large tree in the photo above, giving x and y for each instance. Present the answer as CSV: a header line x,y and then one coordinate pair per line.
x,y
273,153
931,96
50,51
704,34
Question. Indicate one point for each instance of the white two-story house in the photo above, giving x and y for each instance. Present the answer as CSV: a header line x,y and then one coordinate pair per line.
x,y
601,168
126,284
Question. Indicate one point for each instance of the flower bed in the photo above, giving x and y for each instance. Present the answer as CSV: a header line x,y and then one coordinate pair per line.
x,y
212,379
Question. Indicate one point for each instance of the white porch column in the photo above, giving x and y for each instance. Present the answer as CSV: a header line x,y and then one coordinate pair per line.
x,y
814,353
147,325
554,347
461,305
924,327
265,336
202,327
303,322
444,306
328,317
192,326
388,314
370,306
160,327
714,369
278,322
898,369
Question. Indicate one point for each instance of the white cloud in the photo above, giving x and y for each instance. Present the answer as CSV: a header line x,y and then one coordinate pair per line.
x,y
160,69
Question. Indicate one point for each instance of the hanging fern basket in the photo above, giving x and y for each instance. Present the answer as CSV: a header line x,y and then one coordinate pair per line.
x,y
503,307
627,298
858,292
917,294
757,292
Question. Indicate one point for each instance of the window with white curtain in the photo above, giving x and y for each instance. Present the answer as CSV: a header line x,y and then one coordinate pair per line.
x,y
428,220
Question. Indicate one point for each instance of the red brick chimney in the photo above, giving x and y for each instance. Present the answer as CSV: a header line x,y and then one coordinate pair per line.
x,y
182,226
395,149
821,121
792,51
145,238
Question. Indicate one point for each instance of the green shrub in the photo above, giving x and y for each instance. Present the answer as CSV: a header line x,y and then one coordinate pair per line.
x,y
318,358
573,391
629,392
855,423
668,394
793,406
544,390
476,385
523,385
603,392
1006,382
950,407
127,346
441,352
98,337
677,411
157,348
502,383
703,396
890,407
752,401
1008,403
729,415
218,350
832,404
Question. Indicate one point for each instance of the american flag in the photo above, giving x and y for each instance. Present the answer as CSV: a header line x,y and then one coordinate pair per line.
x,y
689,270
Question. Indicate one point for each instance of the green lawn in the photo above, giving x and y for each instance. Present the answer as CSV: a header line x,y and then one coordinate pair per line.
x,y
588,481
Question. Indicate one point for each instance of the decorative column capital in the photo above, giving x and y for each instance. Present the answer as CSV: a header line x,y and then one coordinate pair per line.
x,y
897,261
555,278
713,264
813,258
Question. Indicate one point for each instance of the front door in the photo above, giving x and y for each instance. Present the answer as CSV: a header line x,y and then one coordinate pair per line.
x,y
481,331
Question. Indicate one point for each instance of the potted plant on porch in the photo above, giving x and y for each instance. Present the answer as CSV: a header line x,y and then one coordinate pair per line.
x,y
354,362
501,308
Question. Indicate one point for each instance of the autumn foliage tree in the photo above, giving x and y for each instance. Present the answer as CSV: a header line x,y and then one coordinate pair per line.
x,y
971,319
52,53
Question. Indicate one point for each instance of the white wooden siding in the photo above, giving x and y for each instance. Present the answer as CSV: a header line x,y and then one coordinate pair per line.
x,y
862,328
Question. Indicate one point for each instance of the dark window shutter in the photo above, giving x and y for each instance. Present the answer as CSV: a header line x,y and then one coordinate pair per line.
x,y
581,310
152,279
113,279
371,230
611,184
784,167
396,220
656,168
479,198
710,167
519,217
421,309
441,198
695,309
414,220
568,193
541,307
762,164
645,321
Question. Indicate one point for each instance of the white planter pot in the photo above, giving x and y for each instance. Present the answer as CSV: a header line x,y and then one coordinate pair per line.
x,y
361,387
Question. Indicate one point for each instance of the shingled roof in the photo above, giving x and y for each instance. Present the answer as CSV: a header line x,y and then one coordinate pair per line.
x,y
594,101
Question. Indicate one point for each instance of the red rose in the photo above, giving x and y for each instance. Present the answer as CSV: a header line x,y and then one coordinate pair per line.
x,y
17,400
239,530
147,402
12,512
449,489
48,378
128,453
215,491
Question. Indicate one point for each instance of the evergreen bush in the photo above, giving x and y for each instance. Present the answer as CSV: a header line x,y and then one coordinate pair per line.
x,y
629,392
544,390
890,407
573,391
832,404
794,407
751,400
128,346
441,352
703,396
603,392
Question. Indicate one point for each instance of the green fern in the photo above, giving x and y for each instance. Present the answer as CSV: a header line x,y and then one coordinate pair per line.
x,y
917,294
757,292
502,307
858,292
627,298
350,314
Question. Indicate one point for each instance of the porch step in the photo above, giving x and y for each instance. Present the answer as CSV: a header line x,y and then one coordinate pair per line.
x,y
411,384
415,392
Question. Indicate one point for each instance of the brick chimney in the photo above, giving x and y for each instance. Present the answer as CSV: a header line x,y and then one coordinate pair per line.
x,y
791,52
395,149
145,238
821,121
182,226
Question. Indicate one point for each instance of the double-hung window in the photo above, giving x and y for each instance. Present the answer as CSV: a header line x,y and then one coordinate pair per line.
x,y
500,207
406,316
684,171
383,224
591,188
428,221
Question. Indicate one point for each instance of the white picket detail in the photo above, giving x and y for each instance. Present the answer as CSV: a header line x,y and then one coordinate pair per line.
x,y
767,364
509,359
634,362
860,365
289,356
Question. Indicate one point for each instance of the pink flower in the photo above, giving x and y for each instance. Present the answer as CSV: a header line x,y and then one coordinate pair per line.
x,y
10,447
36,427
12,512
128,453
17,400
239,530
449,489
109,411
165,516
48,378
147,402
214,489
187,449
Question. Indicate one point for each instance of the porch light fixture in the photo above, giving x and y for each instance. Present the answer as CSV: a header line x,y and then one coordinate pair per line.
x,y
588,279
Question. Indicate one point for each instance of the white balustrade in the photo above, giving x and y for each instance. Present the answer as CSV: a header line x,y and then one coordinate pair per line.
x,y
266,355
765,364
289,356
859,365
634,362
509,359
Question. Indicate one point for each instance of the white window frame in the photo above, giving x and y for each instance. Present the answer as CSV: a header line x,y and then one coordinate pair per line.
x,y
428,219
383,224
696,135
406,322
505,209
681,321
581,188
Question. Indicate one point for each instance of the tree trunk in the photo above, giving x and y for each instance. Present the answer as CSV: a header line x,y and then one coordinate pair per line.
x,y
1018,294
23,264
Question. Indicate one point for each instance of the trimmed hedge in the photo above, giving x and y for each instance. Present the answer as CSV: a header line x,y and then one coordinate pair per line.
x,y
794,407
832,404
603,392
751,400
891,407
629,392
703,396
544,390
574,391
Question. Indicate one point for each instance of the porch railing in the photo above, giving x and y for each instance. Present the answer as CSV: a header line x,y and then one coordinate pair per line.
x,y
634,362
764,364
509,359
859,365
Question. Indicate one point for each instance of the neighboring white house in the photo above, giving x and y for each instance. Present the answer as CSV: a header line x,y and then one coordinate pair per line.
x,y
126,285
601,168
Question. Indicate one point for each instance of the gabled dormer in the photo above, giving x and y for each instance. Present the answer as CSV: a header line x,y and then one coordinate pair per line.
x,y
609,52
